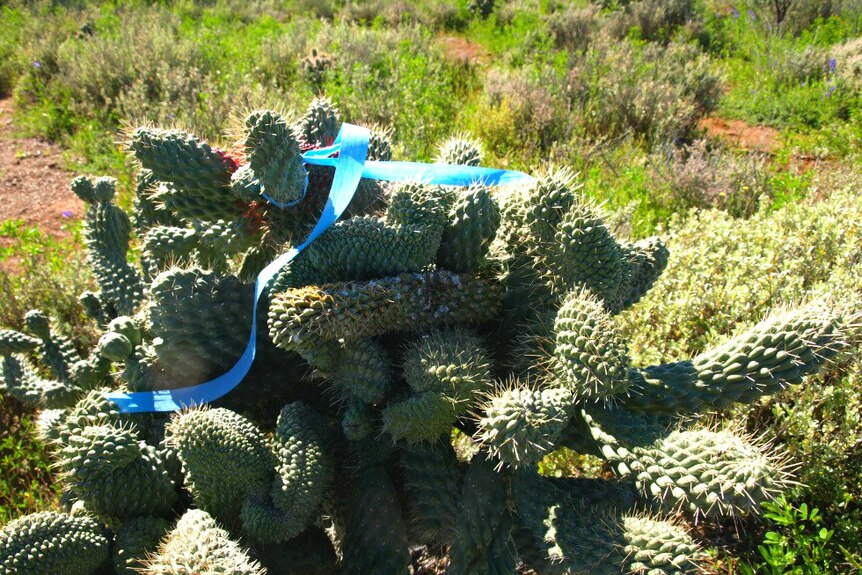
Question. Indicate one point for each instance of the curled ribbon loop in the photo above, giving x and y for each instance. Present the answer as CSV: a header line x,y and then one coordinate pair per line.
x,y
350,165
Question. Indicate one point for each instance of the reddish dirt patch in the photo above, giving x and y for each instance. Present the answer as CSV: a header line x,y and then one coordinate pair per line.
x,y
741,135
462,50
34,187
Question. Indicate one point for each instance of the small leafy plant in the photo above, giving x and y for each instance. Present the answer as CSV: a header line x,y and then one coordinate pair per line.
x,y
798,545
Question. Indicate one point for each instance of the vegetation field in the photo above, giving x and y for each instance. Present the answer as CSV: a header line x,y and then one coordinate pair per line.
x,y
733,130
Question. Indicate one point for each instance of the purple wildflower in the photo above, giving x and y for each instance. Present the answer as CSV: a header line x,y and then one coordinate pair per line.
x,y
67,214
735,13
831,65
829,91
37,64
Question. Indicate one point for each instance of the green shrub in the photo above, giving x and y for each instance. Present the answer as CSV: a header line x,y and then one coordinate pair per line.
x,y
797,546
770,259
652,92
696,176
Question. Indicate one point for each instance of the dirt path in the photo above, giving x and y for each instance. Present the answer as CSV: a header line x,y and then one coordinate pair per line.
x,y
34,187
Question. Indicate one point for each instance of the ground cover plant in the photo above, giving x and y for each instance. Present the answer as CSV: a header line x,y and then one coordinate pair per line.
x,y
727,128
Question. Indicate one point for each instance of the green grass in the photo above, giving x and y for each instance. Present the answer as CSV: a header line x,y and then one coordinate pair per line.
x,y
27,481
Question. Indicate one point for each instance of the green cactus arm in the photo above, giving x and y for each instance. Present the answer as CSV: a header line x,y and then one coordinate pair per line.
x,y
195,169
95,308
483,542
473,221
446,370
165,245
265,524
519,425
21,381
115,473
362,370
590,357
419,417
362,248
147,211
433,478
134,541
274,156
225,458
305,467
90,410
190,208
561,535
353,309
778,351
448,359
643,263
12,341
357,422
56,350
460,150
375,535
93,372
589,255
48,543
417,204
106,236
319,125
702,471
200,321
198,545
48,424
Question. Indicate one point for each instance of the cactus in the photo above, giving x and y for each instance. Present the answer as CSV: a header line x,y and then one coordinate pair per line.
x,y
314,67
134,541
106,235
49,542
274,157
198,545
429,316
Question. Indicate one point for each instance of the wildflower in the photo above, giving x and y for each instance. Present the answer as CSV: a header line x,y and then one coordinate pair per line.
x,y
37,64
66,214
831,65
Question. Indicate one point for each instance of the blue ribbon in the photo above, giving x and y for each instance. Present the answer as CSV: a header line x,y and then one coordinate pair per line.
x,y
351,165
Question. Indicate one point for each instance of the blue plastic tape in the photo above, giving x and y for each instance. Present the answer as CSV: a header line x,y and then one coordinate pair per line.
x,y
351,145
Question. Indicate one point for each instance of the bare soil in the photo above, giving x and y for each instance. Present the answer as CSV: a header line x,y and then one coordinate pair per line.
x,y
34,187
464,51
741,135
762,139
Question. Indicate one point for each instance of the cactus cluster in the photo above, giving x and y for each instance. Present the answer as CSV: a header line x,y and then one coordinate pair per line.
x,y
414,366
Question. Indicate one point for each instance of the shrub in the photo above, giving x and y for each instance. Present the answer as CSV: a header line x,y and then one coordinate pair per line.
x,y
659,19
652,92
771,258
527,106
847,62
699,177
573,28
